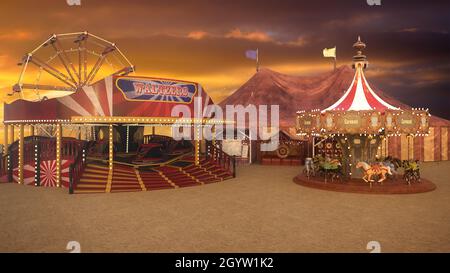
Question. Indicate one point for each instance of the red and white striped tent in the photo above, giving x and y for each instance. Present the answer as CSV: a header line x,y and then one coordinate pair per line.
x,y
431,147
360,96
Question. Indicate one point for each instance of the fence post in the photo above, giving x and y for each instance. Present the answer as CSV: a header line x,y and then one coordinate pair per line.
x,y
234,166
71,179
9,168
37,163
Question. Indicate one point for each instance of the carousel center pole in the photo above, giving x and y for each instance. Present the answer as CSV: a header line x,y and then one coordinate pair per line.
x,y
128,139
31,130
197,145
110,158
5,139
21,142
214,142
11,134
58,154
250,146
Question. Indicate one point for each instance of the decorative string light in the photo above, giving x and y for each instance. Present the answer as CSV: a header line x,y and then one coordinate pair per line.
x,y
36,166
151,120
58,155
20,150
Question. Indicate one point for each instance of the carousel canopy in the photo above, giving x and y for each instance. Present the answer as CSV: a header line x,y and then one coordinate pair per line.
x,y
360,96
361,111
114,97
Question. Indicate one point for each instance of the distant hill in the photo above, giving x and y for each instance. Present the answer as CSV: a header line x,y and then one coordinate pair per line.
x,y
293,93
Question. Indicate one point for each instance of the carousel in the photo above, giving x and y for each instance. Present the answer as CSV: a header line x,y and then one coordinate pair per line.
x,y
82,120
350,140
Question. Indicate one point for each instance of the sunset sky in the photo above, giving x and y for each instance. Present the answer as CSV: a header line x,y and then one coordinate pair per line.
x,y
408,42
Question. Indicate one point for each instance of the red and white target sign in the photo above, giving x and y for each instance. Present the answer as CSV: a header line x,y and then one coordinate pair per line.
x,y
48,173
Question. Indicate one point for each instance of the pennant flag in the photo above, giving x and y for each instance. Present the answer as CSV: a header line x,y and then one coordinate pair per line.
x,y
251,54
329,52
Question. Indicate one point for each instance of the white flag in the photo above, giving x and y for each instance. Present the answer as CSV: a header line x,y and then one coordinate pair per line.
x,y
329,52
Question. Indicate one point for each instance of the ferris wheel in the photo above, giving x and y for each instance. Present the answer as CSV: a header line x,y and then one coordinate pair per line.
x,y
70,61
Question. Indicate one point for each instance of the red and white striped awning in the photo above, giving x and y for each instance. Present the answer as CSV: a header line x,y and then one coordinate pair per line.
x,y
360,96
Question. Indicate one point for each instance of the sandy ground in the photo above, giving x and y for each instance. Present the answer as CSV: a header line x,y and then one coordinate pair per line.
x,y
260,211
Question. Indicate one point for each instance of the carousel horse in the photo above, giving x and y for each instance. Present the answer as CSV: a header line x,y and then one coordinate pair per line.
x,y
389,162
309,167
331,168
412,171
375,169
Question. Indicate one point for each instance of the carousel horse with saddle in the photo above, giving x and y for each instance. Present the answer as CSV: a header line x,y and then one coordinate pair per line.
x,y
377,169
326,167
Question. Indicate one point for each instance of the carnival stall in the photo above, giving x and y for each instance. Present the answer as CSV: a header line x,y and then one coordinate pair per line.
x,y
289,152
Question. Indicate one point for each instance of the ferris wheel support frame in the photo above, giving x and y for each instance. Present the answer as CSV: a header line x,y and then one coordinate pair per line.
x,y
72,79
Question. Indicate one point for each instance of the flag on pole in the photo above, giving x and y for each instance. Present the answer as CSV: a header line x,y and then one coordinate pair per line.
x,y
251,54
329,52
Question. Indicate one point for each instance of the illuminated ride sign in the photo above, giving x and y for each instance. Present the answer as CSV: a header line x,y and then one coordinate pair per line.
x,y
412,121
158,90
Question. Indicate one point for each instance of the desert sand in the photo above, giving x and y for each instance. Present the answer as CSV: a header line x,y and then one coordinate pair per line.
x,y
262,210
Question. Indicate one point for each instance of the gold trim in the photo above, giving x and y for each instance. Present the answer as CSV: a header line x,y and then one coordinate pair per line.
x,y
146,120
141,183
168,180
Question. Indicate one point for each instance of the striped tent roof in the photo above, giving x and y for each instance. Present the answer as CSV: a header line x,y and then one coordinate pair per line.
x,y
360,96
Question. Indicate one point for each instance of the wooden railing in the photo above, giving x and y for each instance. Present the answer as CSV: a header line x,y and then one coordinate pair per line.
x,y
4,165
37,149
221,158
158,138
77,167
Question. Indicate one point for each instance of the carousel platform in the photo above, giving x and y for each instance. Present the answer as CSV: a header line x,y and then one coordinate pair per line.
x,y
357,185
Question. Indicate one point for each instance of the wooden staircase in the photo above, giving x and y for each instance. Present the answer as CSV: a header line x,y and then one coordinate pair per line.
x,y
94,178
124,178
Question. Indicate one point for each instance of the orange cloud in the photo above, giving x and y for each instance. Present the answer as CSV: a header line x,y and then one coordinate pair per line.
x,y
17,35
412,29
300,41
252,36
354,21
197,35
3,60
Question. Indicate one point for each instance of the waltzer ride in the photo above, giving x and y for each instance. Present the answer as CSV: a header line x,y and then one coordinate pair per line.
x,y
81,121
352,137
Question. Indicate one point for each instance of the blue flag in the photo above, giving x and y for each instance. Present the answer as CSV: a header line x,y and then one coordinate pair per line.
x,y
251,54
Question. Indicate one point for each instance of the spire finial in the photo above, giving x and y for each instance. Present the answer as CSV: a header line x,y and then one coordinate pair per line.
x,y
359,45
359,57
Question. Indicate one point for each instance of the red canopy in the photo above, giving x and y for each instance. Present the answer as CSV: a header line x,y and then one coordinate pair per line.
x,y
126,96
360,96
